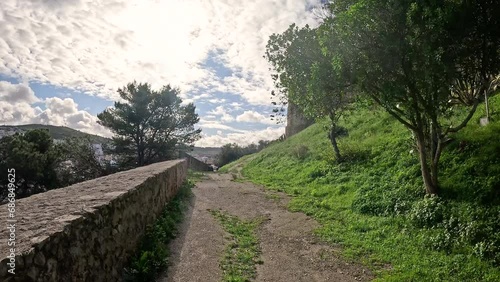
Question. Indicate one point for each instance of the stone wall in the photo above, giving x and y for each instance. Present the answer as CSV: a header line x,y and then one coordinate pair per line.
x,y
87,231
295,120
194,163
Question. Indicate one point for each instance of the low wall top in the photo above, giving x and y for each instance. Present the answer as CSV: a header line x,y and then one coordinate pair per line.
x,y
40,215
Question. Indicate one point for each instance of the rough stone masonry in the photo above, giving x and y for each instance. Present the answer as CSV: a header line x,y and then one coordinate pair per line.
x,y
295,120
87,231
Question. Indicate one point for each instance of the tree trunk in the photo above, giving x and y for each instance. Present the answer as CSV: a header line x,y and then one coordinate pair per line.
x,y
140,154
139,157
333,140
486,105
429,173
434,178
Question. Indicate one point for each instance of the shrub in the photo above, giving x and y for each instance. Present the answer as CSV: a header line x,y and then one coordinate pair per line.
x,y
428,212
301,152
384,200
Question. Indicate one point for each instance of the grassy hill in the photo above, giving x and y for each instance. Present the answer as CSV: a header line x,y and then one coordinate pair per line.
x,y
59,132
373,205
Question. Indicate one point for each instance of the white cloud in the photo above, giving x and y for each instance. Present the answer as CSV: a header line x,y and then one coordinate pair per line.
x,y
98,46
241,138
18,108
19,113
16,103
220,111
61,106
253,116
212,124
16,93
217,101
236,105
65,112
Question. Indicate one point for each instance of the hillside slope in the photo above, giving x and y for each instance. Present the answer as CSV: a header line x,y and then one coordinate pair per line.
x,y
373,204
59,132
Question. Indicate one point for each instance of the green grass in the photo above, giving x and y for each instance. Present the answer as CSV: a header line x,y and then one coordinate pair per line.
x,y
152,256
242,253
373,205
195,176
273,197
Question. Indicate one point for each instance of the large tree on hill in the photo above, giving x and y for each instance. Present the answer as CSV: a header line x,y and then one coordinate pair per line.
x,y
150,125
414,58
308,77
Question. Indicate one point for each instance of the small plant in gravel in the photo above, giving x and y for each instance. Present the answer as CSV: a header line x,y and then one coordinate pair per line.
x,y
242,253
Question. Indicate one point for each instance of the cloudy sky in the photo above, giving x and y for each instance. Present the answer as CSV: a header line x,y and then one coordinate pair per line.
x,y
61,61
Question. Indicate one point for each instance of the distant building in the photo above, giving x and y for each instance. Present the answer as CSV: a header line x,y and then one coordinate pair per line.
x,y
98,152
8,131
296,120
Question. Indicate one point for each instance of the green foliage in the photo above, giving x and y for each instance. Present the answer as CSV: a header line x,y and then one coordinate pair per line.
x,y
34,157
195,176
373,204
231,152
152,255
468,230
418,60
241,255
384,200
428,212
310,78
301,152
151,124
80,161
473,173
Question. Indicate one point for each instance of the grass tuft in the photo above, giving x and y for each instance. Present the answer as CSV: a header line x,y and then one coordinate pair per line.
x,y
152,256
242,254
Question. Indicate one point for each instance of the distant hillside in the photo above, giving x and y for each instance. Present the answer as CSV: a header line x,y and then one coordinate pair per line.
x,y
57,132
212,151
207,154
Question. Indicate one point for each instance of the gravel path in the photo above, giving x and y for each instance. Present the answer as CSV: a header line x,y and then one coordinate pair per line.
x,y
290,251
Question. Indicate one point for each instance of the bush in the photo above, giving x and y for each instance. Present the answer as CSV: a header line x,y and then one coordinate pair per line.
x,y
428,212
232,152
384,200
301,152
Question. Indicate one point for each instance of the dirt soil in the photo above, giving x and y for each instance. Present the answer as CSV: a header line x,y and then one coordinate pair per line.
x,y
290,250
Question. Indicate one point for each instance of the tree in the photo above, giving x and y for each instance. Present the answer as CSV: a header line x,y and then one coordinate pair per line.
x,y
150,125
410,57
34,157
309,77
232,151
229,153
80,161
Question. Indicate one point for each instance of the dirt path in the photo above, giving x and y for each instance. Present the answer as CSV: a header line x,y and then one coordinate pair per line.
x,y
290,251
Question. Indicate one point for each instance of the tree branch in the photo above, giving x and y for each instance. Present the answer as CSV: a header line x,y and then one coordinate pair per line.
x,y
465,121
